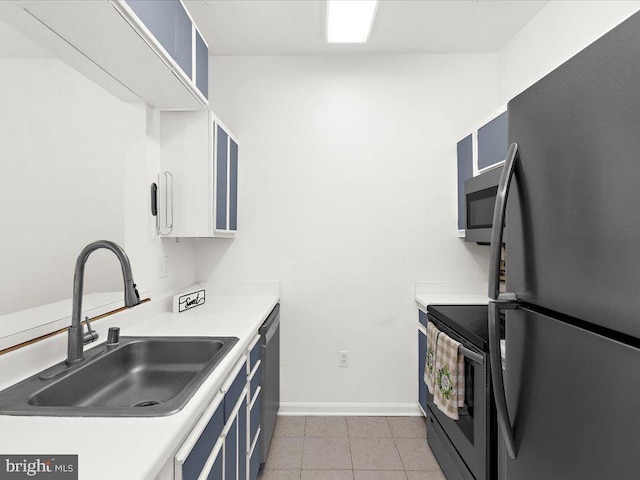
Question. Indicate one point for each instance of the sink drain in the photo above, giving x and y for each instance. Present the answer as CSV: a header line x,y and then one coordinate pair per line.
x,y
147,403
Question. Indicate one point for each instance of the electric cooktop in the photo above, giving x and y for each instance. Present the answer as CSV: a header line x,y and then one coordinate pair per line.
x,y
468,321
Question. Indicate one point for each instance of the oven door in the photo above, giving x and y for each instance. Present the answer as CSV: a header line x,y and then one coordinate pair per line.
x,y
468,434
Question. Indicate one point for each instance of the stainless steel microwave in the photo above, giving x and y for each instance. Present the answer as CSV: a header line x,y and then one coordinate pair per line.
x,y
480,197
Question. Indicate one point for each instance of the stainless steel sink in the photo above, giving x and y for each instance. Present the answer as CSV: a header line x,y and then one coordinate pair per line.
x,y
139,377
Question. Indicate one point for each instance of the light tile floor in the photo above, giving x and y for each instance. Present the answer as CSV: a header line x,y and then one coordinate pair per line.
x,y
350,448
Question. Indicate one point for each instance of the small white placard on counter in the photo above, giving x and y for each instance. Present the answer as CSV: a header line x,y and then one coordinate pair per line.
x,y
186,301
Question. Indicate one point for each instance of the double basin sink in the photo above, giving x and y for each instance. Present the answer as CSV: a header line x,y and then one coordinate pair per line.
x,y
138,377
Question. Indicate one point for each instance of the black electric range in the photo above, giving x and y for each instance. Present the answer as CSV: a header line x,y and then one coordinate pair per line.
x,y
466,448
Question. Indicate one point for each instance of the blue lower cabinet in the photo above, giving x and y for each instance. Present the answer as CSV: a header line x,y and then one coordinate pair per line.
x,y
254,419
242,440
254,356
422,318
422,357
255,382
254,463
192,466
216,472
232,396
231,452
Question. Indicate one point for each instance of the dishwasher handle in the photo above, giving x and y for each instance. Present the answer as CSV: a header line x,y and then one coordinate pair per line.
x,y
271,330
271,324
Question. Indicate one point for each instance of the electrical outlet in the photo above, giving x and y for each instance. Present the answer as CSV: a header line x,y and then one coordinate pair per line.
x,y
163,267
343,359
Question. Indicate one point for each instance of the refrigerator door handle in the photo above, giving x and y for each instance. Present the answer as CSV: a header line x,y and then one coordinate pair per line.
x,y
499,212
497,380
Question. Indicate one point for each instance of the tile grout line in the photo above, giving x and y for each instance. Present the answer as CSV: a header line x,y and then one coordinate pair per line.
x,y
353,472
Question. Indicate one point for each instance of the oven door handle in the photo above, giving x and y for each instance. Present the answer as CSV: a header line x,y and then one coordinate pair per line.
x,y
471,355
497,380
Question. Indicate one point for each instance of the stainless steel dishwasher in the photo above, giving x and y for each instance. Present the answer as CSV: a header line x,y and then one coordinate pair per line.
x,y
270,349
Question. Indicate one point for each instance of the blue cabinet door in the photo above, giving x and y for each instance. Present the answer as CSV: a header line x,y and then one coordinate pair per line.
x,y
198,456
231,452
254,464
254,422
422,357
233,185
221,178
242,440
202,66
216,472
184,40
159,16
492,142
465,172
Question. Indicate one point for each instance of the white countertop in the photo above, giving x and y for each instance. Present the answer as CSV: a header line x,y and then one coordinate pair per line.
x,y
138,448
451,293
462,299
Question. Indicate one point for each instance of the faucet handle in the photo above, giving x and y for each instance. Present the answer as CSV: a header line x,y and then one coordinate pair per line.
x,y
91,335
113,337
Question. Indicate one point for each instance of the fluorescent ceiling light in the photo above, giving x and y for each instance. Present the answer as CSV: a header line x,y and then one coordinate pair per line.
x,y
349,21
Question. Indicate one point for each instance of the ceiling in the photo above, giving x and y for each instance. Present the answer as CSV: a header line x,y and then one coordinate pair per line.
x,y
297,27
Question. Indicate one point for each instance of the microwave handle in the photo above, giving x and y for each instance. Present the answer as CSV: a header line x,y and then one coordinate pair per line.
x,y
498,224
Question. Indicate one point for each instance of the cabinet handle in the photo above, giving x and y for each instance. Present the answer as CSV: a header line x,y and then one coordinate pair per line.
x,y
168,205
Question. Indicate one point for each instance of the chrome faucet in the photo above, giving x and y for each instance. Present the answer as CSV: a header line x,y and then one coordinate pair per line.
x,y
76,338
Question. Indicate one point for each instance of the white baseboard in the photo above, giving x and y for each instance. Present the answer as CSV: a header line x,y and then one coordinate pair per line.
x,y
351,409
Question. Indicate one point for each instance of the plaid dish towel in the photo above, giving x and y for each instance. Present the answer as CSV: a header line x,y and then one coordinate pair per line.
x,y
430,367
449,373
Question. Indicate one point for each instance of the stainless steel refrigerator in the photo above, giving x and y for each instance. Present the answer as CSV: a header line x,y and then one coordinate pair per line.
x,y
569,200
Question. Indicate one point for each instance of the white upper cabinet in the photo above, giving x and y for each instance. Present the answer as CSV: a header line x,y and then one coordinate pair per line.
x,y
201,156
137,49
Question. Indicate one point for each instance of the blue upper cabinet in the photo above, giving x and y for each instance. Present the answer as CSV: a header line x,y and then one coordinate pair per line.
x,y
170,24
222,169
233,185
159,17
184,40
202,65
492,142
465,172
226,183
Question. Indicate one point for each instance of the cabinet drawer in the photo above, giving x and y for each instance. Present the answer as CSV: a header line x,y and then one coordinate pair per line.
x,y
255,382
232,396
197,448
255,353
254,415
422,318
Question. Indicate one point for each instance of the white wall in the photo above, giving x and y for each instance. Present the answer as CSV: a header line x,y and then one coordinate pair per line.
x,y
559,31
63,181
348,196
77,165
